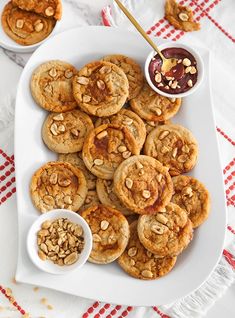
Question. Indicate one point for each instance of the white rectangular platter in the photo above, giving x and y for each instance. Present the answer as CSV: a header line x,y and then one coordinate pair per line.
x,y
108,282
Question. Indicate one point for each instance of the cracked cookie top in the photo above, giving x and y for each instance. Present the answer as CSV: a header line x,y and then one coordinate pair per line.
x,y
108,197
143,184
106,147
51,86
91,200
130,120
192,196
132,70
174,146
58,185
151,106
25,28
101,88
110,231
138,262
167,232
66,132
76,160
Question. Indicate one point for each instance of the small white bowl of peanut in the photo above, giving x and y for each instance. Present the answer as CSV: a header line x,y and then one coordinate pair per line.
x,y
59,241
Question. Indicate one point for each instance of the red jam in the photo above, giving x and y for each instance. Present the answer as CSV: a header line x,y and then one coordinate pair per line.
x,y
181,78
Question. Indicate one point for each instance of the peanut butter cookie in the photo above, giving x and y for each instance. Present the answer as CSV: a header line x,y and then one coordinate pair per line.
x,y
110,231
66,132
75,159
108,197
140,263
174,146
143,184
48,8
130,120
91,200
166,233
132,70
100,88
192,196
180,17
151,106
106,147
58,185
51,86
25,28
133,123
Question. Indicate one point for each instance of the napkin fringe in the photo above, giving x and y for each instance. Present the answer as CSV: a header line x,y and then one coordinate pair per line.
x,y
197,303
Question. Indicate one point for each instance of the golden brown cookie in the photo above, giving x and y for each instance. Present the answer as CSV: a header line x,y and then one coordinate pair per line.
x,y
180,17
91,200
142,264
192,196
143,184
51,86
151,106
75,159
174,146
130,120
132,70
100,88
106,147
108,197
110,231
167,232
48,8
25,28
66,132
133,123
58,185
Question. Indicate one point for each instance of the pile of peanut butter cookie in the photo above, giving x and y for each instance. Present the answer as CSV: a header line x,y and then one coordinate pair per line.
x,y
120,160
29,22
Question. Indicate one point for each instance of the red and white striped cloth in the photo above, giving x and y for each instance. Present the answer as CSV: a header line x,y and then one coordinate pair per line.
x,y
217,33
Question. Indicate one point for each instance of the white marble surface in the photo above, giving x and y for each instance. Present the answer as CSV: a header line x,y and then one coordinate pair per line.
x,y
11,66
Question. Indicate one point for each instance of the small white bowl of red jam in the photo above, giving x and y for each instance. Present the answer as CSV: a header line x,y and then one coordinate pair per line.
x,y
183,79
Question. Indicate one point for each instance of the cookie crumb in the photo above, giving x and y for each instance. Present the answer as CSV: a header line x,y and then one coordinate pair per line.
x,y
50,307
14,280
1,308
43,301
26,315
35,289
8,292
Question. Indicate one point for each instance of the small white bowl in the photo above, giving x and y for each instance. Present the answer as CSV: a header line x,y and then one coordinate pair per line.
x,y
47,265
200,69
7,43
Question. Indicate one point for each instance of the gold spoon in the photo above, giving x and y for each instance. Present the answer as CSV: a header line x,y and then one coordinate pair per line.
x,y
167,63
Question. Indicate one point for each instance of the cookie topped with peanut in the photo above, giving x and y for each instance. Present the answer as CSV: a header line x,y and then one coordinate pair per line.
x,y
110,231
58,185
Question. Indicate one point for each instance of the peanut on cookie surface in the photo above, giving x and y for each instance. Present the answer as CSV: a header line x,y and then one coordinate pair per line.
x,y
24,27
143,184
140,263
58,185
110,231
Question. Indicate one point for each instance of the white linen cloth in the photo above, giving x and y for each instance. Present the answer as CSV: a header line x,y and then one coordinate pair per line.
x,y
218,34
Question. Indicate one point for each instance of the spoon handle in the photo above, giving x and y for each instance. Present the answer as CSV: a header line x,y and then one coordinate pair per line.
x,y
139,28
